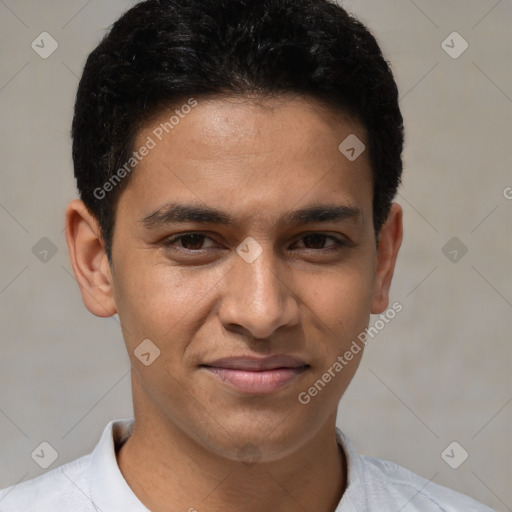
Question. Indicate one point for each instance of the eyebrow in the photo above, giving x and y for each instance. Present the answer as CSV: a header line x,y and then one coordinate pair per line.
x,y
178,213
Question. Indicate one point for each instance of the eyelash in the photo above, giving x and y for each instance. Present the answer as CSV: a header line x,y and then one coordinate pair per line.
x,y
168,243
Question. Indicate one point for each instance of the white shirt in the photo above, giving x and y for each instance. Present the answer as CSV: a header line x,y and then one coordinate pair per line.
x,y
94,483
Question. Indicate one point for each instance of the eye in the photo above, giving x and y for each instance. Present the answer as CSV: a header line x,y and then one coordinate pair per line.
x,y
188,241
316,241
195,242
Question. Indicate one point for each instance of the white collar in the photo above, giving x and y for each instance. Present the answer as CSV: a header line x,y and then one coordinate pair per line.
x,y
110,491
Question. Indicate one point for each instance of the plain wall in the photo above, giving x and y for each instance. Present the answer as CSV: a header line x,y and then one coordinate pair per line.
x,y
438,372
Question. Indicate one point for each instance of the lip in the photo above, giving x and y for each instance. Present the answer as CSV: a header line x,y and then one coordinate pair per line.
x,y
252,375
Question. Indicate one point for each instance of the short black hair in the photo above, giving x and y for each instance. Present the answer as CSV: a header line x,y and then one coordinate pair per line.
x,y
161,53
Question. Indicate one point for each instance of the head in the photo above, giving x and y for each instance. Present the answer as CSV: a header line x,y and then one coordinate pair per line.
x,y
223,123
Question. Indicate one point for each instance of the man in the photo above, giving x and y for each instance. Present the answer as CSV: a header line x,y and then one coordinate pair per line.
x,y
236,162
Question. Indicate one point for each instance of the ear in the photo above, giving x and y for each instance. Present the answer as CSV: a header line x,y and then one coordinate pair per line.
x,y
389,241
89,260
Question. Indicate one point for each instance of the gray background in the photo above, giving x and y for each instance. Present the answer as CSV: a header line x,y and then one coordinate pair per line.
x,y
439,372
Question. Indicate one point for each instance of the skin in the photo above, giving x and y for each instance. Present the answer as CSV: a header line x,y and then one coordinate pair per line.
x,y
302,296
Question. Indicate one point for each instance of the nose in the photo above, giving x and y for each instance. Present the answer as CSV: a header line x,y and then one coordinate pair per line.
x,y
257,298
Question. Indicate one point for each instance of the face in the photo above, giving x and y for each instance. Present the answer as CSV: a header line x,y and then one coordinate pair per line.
x,y
244,249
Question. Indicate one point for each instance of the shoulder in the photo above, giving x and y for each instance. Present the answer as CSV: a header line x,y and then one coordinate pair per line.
x,y
80,485
415,493
381,485
61,489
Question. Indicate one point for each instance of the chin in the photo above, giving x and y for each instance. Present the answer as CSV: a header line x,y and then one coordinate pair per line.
x,y
250,441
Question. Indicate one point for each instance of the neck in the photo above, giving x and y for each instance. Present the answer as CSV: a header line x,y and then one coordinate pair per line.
x,y
168,470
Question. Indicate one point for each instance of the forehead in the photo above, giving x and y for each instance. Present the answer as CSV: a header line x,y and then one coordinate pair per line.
x,y
239,121
256,154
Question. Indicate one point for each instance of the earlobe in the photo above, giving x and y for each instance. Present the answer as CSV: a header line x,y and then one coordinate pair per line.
x,y
89,260
390,239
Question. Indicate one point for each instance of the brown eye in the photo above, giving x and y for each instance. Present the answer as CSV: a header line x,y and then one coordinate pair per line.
x,y
189,241
314,241
317,241
192,242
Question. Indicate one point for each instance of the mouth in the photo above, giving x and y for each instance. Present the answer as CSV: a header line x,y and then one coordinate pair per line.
x,y
256,376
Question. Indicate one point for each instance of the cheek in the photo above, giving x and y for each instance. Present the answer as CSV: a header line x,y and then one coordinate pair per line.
x,y
342,298
160,302
339,312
